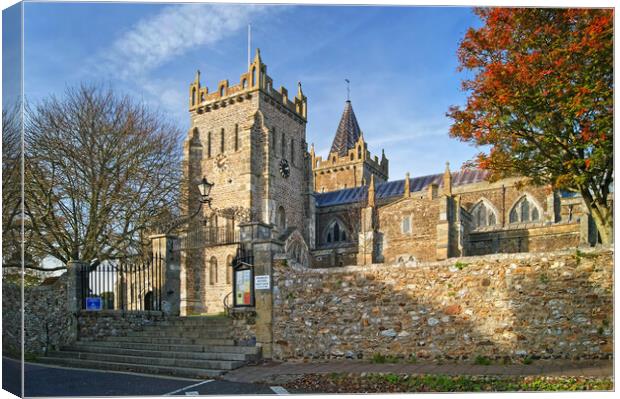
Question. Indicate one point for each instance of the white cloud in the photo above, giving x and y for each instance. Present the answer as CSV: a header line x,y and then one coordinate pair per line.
x,y
158,39
172,32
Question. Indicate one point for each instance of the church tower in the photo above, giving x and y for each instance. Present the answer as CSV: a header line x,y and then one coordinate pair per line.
x,y
349,163
249,139
253,144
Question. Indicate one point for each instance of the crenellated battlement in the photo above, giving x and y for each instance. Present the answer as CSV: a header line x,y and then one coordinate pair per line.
x,y
353,169
253,81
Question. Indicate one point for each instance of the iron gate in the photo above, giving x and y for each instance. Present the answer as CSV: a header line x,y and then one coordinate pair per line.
x,y
128,285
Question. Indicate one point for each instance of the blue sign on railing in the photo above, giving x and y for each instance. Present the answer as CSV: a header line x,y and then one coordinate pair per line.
x,y
93,303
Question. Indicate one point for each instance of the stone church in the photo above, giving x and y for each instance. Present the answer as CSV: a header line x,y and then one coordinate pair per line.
x,y
249,139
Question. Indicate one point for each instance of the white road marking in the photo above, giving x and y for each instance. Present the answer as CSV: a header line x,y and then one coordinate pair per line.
x,y
191,393
279,390
188,387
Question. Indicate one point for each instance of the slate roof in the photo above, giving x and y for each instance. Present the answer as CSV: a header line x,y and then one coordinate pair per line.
x,y
397,187
348,131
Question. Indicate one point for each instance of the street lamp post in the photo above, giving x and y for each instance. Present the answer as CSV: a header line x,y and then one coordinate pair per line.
x,y
204,188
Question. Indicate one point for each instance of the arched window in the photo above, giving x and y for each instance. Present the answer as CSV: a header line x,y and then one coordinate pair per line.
x,y
254,76
222,90
194,96
209,145
524,210
359,152
244,83
229,269
352,156
483,214
283,145
213,271
222,145
335,232
236,137
292,151
406,225
202,97
281,218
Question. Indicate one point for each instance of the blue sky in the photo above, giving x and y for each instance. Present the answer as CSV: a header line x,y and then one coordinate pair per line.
x,y
401,62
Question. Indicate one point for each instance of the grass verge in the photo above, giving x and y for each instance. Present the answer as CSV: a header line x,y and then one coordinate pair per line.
x,y
389,382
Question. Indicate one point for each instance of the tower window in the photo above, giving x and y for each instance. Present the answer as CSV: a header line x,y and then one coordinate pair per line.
x,y
209,145
222,89
283,144
236,137
281,218
213,270
244,83
222,144
229,269
406,225
194,96
292,150
254,76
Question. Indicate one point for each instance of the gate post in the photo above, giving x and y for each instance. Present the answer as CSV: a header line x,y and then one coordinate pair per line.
x,y
259,237
75,268
169,266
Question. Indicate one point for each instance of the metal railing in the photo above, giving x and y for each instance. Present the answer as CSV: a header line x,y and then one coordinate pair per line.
x,y
128,285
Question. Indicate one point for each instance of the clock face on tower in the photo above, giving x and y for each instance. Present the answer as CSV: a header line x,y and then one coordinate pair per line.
x,y
285,170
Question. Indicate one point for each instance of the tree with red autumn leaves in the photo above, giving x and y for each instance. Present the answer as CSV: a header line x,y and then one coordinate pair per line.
x,y
541,95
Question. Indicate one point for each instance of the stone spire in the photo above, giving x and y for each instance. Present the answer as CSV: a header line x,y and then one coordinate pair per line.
x,y
447,180
407,191
348,131
371,192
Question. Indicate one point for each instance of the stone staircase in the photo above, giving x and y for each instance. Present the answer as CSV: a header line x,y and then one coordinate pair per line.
x,y
191,347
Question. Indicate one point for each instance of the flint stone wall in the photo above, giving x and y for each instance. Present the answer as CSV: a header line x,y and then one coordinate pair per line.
x,y
554,305
47,323
105,323
243,329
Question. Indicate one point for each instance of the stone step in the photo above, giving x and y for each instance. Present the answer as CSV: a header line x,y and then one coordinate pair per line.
x,y
136,368
87,347
171,340
198,321
251,350
187,328
153,361
183,334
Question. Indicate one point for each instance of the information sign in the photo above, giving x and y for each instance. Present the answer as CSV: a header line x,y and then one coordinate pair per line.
x,y
261,282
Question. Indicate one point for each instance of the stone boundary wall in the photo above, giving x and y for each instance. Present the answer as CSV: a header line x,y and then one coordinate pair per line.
x,y
506,306
244,327
105,323
47,323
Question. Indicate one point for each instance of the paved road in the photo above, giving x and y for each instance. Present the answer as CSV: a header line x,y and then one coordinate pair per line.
x,y
44,380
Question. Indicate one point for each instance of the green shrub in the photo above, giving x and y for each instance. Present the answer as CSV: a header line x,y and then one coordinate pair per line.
x,y
461,265
482,361
379,358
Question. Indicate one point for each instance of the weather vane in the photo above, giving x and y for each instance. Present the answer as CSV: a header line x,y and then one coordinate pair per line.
x,y
348,88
